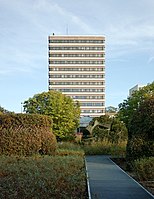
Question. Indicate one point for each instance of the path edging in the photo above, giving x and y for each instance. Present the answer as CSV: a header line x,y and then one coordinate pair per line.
x,y
88,184
133,179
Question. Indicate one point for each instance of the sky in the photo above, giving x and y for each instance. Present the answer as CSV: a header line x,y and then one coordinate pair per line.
x,y
24,28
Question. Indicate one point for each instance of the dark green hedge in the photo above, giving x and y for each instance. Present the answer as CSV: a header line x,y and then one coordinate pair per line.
x,y
27,141
25,120
26,134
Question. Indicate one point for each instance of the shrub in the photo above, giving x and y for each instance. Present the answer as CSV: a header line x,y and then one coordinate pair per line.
x,y
138,147
25,120
27,141
144,168
42,177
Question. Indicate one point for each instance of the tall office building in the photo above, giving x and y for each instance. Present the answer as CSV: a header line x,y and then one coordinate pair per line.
x,y
77,69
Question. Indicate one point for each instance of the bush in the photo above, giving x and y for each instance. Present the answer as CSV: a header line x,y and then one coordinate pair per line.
x,y
25,120
27,141
42,177
138,147
144,168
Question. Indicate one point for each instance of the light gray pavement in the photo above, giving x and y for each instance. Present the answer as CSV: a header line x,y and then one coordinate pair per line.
x,y
108,181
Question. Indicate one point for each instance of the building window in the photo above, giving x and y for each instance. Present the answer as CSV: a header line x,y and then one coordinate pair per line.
x,y
92,104
92,111
76,83
88,97
76,55
75,41
76,76
76,62
76,69
79,90
76,48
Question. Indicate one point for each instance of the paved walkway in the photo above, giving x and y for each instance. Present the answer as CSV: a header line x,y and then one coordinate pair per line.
x,y
108,181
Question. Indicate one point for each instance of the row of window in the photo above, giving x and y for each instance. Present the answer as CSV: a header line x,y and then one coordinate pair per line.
x,y
76,62
76,76
76,69
76,83
76,48
76,55
76,41
91,111
88,97
79,90
92,104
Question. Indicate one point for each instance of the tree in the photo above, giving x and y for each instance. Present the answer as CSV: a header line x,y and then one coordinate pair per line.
x,y
111,109
2,110
64,112
141,139
118,131
136,113
129,106
111,129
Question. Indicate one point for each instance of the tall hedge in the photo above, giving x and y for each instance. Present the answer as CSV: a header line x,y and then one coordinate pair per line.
x,y
25,120
26,134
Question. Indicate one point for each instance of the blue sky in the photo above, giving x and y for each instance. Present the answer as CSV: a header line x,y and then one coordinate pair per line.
x,y
26,24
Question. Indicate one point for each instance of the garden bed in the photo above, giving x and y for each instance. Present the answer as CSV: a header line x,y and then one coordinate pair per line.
x,y
43,177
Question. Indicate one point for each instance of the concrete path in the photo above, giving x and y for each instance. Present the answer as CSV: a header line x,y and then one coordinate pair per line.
x,y
108,181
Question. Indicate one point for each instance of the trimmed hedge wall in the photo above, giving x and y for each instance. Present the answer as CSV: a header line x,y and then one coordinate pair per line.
x,y
25,120
26,134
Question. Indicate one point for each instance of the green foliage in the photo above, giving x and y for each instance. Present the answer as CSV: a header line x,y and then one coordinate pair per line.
x,y
24,141
42,177
68,148
141,137
25,120
118,131
100,133
111,129
144,168
64,112
137,113
111,109
68,152
101,126
129,106
104,120
105,148
142,121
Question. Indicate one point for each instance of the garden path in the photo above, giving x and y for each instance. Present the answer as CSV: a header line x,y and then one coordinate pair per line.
x,y
108,181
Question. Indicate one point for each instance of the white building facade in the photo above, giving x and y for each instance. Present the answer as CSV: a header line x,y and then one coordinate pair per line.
x,y
76,67
135,88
